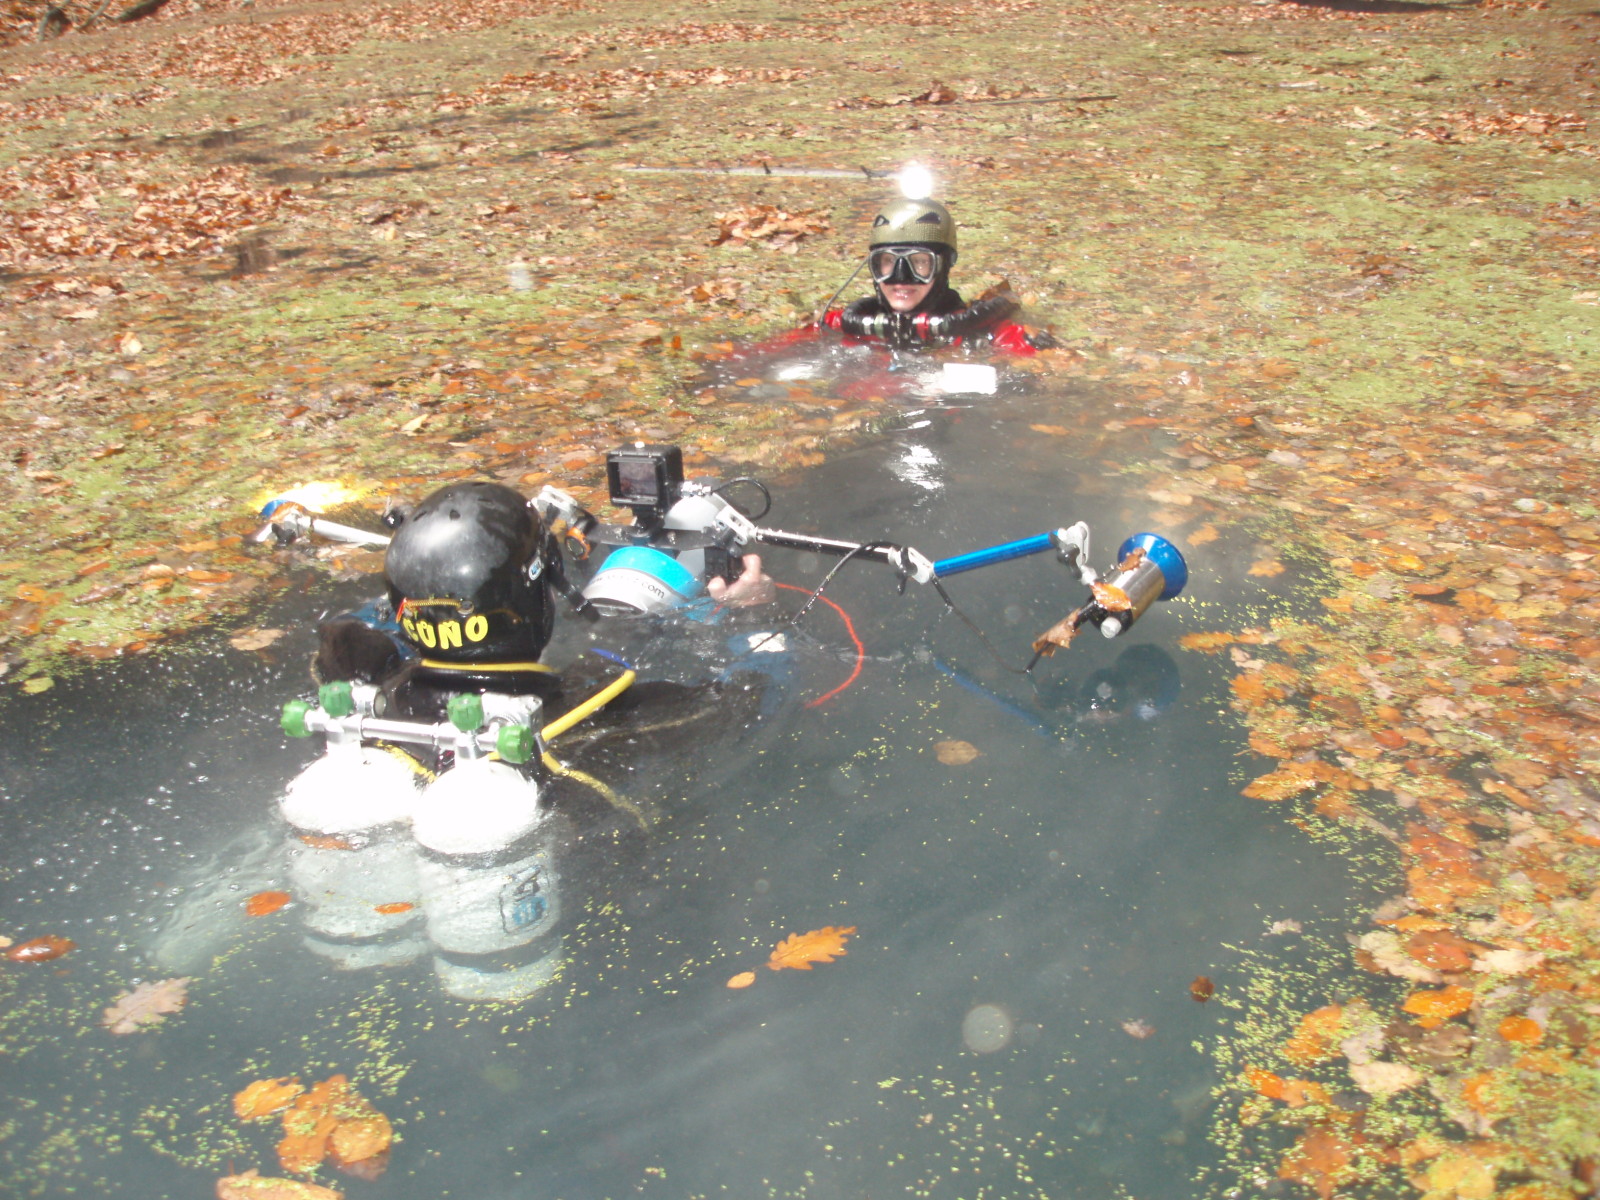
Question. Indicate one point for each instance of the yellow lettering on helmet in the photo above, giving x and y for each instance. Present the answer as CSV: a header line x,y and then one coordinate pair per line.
x,y
410,628
425,633
477,627
449,634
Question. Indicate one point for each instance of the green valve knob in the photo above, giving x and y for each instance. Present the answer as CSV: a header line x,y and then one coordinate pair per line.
x,y
466,711
337,699
514,743
294,718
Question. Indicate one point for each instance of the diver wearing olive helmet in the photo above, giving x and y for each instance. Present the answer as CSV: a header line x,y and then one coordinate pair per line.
x,y
910,251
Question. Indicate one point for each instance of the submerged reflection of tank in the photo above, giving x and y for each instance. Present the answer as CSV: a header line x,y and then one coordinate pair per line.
x,y
434,701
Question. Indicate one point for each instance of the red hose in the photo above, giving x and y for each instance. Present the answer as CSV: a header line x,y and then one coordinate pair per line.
x,y
850,628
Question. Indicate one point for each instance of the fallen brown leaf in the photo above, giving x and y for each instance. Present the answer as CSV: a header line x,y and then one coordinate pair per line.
x,y
40,949
254,639
253,1186
955,753
147,1004
799,950
265,1098
263,903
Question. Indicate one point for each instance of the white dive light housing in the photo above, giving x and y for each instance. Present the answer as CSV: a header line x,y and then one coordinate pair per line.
x,y
637,580
643,579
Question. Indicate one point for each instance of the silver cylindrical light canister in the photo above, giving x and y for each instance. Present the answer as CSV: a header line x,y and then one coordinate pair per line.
x,y
1142,585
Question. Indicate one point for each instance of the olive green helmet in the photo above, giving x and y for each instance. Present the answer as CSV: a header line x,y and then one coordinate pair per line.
x,y
915,222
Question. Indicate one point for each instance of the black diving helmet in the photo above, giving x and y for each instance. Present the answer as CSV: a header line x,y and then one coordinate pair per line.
x,y
470,577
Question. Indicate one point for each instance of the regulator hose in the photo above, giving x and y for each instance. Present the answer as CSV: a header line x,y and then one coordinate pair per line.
x,y
906,328
588,707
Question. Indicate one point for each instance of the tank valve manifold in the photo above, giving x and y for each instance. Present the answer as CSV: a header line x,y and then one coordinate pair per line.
x,y
478,725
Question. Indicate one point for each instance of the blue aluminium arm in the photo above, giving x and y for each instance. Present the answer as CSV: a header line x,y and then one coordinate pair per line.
x,y
990,555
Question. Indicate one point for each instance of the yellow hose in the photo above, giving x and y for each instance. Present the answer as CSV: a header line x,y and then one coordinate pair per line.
x,y
595,702
468,668
557,767
424,773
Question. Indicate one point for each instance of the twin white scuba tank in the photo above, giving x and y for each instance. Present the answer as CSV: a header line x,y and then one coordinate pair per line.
x,y
388,869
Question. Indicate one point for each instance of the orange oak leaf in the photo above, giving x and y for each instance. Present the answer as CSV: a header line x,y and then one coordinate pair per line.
x,y
249,1185
331,1121
1441,950
1206,643
1253,691
1315,1038
1321,1160
358,1139
1201,989
1058,636
263,903
305,1146
308,1125
265,1097
40,949
1434,1008
1265,1083
1288,780
1525,1031
1110,597
799,950
319,841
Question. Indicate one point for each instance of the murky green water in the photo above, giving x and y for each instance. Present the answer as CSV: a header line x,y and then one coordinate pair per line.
x,y
1017,916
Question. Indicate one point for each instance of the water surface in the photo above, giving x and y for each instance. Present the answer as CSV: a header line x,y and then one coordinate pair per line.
x,y
1017,915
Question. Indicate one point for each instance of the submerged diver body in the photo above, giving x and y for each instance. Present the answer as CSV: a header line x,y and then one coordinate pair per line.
x,y
472,574
910,253
428,827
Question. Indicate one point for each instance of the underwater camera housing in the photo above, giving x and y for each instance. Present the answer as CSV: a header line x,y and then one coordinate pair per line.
x,y
645,478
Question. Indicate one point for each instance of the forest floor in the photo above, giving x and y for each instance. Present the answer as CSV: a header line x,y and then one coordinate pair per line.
x,y
1340,256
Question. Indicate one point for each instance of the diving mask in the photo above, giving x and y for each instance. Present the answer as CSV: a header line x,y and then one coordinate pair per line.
x,y
903,264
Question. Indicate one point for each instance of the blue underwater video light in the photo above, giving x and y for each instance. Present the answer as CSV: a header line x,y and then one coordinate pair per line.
x,y
1149,568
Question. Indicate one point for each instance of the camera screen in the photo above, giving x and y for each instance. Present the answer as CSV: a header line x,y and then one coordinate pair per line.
x,y
645,478
636,480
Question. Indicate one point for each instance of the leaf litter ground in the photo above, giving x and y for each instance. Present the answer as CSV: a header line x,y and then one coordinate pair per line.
x,y
1329,273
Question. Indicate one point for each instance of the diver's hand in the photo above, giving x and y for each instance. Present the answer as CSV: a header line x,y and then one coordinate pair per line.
x,y
754,586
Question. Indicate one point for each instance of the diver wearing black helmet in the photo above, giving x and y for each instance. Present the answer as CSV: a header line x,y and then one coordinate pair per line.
x,y
472,573
910,252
